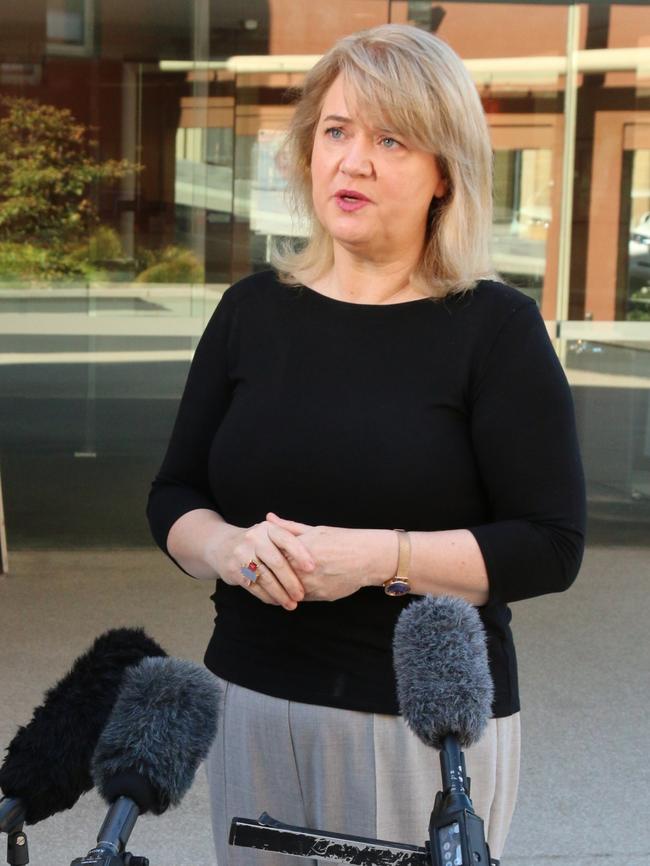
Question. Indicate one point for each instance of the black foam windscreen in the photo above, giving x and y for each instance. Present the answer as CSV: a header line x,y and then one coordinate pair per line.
x,y
48,761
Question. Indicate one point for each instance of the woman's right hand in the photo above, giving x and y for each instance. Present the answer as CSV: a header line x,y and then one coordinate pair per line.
x,y
276,551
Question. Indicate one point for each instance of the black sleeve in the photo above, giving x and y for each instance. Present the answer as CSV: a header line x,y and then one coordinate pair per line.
x,y
181,485
524,436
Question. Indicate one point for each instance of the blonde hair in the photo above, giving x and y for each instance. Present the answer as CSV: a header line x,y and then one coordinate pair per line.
x,y
416,82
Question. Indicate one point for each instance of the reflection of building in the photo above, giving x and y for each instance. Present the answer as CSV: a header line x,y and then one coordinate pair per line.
x,y
195,90
185,88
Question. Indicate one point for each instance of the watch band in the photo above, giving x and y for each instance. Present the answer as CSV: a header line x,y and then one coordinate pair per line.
x,y
400,584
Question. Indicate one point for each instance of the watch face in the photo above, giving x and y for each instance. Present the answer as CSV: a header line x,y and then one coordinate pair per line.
x,y
398,587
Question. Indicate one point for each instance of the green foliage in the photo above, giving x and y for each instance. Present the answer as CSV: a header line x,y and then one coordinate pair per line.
x,y
85,260
172,265
48,172
104,245
100,257
639,306
49,177
25,262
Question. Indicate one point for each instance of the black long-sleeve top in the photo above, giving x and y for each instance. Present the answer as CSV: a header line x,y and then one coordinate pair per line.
x,y
424,415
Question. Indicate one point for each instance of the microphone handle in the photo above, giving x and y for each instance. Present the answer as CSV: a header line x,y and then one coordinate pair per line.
x,y
12,814
455,784
113,836
456,833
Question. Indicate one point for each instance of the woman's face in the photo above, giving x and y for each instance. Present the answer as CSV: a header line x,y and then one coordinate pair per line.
x,y
371,187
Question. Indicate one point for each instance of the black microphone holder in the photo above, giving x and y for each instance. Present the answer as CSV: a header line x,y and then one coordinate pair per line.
x,y
17,849
12,818
102,857
112,838
456,835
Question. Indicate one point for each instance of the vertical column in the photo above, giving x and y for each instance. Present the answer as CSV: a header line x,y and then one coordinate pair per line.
x,y
4,558
200,87
130,150
568,166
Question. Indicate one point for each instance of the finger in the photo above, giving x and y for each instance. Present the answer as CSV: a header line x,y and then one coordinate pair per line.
x,y
258,591
255,588
292,547
249,580
278,578
267,557
291,525
282,583
268,583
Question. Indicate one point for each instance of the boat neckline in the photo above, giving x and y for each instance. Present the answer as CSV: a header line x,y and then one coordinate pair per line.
x,y
328,299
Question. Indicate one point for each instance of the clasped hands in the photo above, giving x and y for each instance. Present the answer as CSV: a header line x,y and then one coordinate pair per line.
x,y
299,562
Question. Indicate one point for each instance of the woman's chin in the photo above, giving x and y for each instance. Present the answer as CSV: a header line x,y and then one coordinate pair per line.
x,y
356,241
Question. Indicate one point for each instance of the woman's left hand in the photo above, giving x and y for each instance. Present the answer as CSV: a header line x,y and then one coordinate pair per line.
x,y
346,559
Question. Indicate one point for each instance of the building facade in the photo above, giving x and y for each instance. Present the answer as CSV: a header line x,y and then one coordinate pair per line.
x,y
180,106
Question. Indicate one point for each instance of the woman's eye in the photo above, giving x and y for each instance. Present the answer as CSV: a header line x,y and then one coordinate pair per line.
x,y
334,132
389,142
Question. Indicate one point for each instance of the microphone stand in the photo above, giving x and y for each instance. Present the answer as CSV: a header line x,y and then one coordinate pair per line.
x,y
112,838
456,836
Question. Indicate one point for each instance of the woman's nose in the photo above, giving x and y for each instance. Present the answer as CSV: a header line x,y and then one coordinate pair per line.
x,y
357,160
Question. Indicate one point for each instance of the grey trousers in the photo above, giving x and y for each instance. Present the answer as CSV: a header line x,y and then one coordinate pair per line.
x,y
343,771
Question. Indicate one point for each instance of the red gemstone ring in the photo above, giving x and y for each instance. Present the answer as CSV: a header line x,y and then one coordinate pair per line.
x,y
251,571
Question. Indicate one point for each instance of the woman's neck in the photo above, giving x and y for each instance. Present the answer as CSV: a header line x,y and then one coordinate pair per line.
x,y
362,281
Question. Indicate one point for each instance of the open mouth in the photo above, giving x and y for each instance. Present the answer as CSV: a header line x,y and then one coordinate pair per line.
x,y
351,196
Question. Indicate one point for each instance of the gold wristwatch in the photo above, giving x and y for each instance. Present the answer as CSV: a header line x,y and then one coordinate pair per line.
x,y
400,584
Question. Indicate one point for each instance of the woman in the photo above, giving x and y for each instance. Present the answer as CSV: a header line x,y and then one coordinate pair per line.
x,y
385,381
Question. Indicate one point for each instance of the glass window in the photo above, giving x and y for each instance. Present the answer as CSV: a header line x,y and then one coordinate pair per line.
x,y
180,108
516,54
69,26
609,258
636,253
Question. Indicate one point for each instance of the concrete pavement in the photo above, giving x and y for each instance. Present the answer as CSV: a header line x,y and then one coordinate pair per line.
x,y
584,669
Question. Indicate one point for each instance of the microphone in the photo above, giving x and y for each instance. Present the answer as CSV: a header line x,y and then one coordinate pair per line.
x,y
161,728
444,684
47,767
445,694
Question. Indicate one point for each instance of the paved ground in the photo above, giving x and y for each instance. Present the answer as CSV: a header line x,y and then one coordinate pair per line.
x,y
584,662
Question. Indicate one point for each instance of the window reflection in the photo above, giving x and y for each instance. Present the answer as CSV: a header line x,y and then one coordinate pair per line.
x,y
610,261
522,216
516,55
196,95
638,248
611,388
69,26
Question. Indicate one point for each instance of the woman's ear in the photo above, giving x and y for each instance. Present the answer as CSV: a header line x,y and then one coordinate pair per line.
x,y
443,185
441,189
439,195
